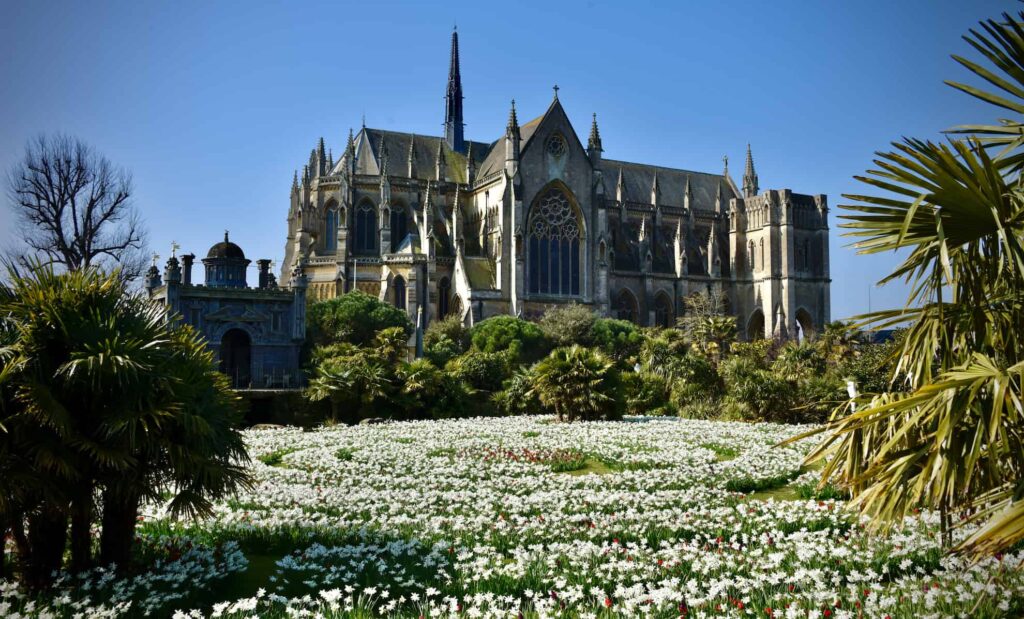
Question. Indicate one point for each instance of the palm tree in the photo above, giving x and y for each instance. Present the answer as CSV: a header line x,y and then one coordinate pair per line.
x,y
105,405
577,383
955,441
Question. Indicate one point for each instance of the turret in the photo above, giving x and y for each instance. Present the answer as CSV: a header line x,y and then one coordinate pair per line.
x,y
688,195
453,125
594,148
512,139
679,245
714,255
321,158
350,154
439,163
749,177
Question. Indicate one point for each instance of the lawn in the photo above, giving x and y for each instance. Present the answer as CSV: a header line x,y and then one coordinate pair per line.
x,y
524,517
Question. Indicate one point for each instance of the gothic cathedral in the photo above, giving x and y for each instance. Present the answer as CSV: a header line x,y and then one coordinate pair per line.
x,y
446,225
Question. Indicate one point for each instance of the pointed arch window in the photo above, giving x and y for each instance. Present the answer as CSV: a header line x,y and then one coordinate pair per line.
x,y
750,255
761,243
555,246
663,314
399,293
331,230
444,294
626,306
366,228
399,226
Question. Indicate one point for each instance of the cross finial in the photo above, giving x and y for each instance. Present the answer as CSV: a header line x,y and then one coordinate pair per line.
x,y
555,88
225,236
156,257
174,249
725,159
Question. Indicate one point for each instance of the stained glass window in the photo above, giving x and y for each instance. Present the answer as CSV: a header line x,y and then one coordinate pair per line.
x,y
554,246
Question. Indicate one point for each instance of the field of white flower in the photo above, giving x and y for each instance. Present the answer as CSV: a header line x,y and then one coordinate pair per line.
x,y
523,517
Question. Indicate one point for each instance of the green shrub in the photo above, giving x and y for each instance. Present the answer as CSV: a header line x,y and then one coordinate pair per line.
x,y
483,371
619,339
518,398
796,361
441,350
817,396
579,384
696,380
570,324
355,317
522,339
701,409
760,394
873,366
451,328
646,393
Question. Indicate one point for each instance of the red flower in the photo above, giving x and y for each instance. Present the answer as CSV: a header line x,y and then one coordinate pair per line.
x,y
607,602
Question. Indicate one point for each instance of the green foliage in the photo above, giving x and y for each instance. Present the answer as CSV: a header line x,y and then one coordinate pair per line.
x,y
565,325
618,339
483,371
517,396
578,384
522,339
101,396
955,213
696,379
760,394
647,393
441,350
355,317
450,328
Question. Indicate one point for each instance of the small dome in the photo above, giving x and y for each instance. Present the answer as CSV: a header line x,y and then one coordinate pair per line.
x,y
226,249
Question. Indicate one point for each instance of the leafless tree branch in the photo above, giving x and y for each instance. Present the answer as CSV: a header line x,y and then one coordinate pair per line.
x,y
75,208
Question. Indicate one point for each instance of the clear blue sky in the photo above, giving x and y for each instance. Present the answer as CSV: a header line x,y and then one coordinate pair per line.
x,y
213,105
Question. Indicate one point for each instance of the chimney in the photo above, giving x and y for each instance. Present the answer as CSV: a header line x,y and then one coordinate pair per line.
x,y
264,267
186,269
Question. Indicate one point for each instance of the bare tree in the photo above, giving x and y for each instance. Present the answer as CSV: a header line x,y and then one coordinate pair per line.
x,y
75,208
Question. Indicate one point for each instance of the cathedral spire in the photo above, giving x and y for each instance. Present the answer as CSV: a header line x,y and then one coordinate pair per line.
x,y
295,182
594,143
512,128
655,190
620,188
687,194
749,177
453,125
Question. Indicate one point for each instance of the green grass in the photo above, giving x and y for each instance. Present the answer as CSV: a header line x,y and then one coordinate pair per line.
x,y
405,440
345,454
275,458
722,453
591,466
531,434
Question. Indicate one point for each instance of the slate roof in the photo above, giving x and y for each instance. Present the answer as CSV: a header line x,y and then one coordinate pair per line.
x,y
638,179
424,155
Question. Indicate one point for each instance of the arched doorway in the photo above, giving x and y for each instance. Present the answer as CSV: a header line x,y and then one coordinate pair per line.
x,y
755,326
626,306
236,357
804,325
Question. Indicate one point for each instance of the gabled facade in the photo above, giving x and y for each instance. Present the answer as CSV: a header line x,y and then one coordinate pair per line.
x,y
442,225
